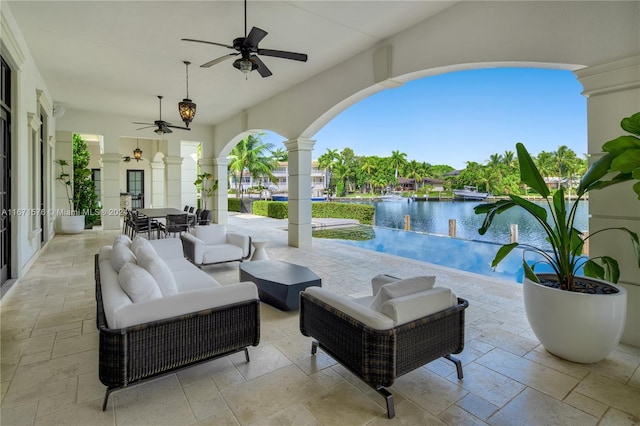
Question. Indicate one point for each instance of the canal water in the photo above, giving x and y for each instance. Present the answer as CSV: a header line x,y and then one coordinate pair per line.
x,y
432,217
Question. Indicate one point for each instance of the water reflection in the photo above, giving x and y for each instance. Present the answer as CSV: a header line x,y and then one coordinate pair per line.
x,y
471,256
433,218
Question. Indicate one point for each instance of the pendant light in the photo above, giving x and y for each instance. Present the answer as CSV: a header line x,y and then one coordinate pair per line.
x,y
137,153
187,108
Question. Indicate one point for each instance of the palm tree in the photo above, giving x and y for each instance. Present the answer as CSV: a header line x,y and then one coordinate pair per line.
x,y
413,170
327,161
249,155
280,154
397,160
369,167
509,159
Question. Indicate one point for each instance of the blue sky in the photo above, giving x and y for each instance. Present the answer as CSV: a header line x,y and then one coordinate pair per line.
x,y
463,116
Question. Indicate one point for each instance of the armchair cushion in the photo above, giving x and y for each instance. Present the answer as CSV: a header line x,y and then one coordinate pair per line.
x,y
211,234
366,316
409,308
400,288
222,253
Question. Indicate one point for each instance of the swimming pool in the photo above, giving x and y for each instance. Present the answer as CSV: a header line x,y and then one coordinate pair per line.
x,y
467,255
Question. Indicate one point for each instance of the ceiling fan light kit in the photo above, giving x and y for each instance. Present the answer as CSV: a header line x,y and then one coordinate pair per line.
x,y
187,108
247,47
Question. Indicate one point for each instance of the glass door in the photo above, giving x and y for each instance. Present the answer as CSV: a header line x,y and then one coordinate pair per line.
x,y
135,187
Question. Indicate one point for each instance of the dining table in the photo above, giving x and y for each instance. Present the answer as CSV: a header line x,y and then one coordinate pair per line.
x,y
158,212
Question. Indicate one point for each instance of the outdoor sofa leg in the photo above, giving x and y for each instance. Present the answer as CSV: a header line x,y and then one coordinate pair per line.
x,y
458,364
314,347
246,354
388,396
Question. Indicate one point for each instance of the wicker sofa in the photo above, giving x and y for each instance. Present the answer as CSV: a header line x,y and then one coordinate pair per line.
x,y
380,345
198,320
211,244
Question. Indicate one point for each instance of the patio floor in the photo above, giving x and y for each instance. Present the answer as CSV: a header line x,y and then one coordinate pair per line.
x,y
50,357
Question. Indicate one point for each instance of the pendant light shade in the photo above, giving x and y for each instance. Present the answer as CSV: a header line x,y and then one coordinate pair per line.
x,y
187,108
137,153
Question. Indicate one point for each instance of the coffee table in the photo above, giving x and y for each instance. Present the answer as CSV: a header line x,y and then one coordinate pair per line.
x,y
279,283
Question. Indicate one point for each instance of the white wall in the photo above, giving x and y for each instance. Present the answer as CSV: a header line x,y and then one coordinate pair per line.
x,y
30,96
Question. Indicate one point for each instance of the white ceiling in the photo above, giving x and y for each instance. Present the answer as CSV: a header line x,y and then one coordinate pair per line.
x,y
117,56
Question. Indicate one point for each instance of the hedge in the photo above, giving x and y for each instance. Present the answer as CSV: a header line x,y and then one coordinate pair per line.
x,y
274,209
233,205
279,210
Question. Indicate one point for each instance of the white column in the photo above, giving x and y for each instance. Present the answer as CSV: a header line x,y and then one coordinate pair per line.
x,y
173,181
300,192
220,200
158,197
111,189
613,92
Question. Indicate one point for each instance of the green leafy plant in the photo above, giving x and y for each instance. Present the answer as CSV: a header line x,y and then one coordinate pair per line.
x,y
566,241
80,189
206,185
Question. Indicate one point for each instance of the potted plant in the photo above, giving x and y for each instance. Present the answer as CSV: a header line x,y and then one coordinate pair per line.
x,y
205,187
70,223
84,206
576,317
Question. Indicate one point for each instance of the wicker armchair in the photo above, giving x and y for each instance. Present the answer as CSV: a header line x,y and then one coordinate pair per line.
x,y
379,356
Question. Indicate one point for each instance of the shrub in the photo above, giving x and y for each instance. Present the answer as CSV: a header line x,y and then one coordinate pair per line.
x,y
233,204
362,212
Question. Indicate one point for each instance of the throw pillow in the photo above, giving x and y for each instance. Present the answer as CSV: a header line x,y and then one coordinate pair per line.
x,y
121,255
401,288
124,239
140,242
138,283
159,270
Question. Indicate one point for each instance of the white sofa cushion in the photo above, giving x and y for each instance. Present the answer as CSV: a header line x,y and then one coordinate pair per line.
x,y
121,255
140,242
122,239
367,316
113,296
401,288
168,248
153,264
138,283
417,305
211,234
184,303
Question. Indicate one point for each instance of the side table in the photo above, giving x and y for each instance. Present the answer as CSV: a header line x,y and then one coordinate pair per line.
x,y
259,253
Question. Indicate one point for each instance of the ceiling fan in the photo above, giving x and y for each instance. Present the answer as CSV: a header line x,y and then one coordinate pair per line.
x,y
247,48
162,126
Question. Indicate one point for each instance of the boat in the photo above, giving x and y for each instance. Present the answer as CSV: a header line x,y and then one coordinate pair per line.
x,y
286,198
469,193
393,197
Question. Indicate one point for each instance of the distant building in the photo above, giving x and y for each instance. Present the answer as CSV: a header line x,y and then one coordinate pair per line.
x,y
281,173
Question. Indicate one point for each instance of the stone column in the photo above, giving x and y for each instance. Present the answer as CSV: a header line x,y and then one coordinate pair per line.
x,y
613,92
300,192
219,202
158,197
173,181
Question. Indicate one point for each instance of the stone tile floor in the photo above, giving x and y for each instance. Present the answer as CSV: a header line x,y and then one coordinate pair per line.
x,y
49,356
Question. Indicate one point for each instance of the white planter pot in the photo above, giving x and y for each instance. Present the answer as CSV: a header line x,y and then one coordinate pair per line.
x,y
71,224
578,327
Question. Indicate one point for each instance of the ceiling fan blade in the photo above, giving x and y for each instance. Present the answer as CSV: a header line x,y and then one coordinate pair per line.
x,y
138,122
262,68
254,37
282,54
218,60
146,127
176,127
208,42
